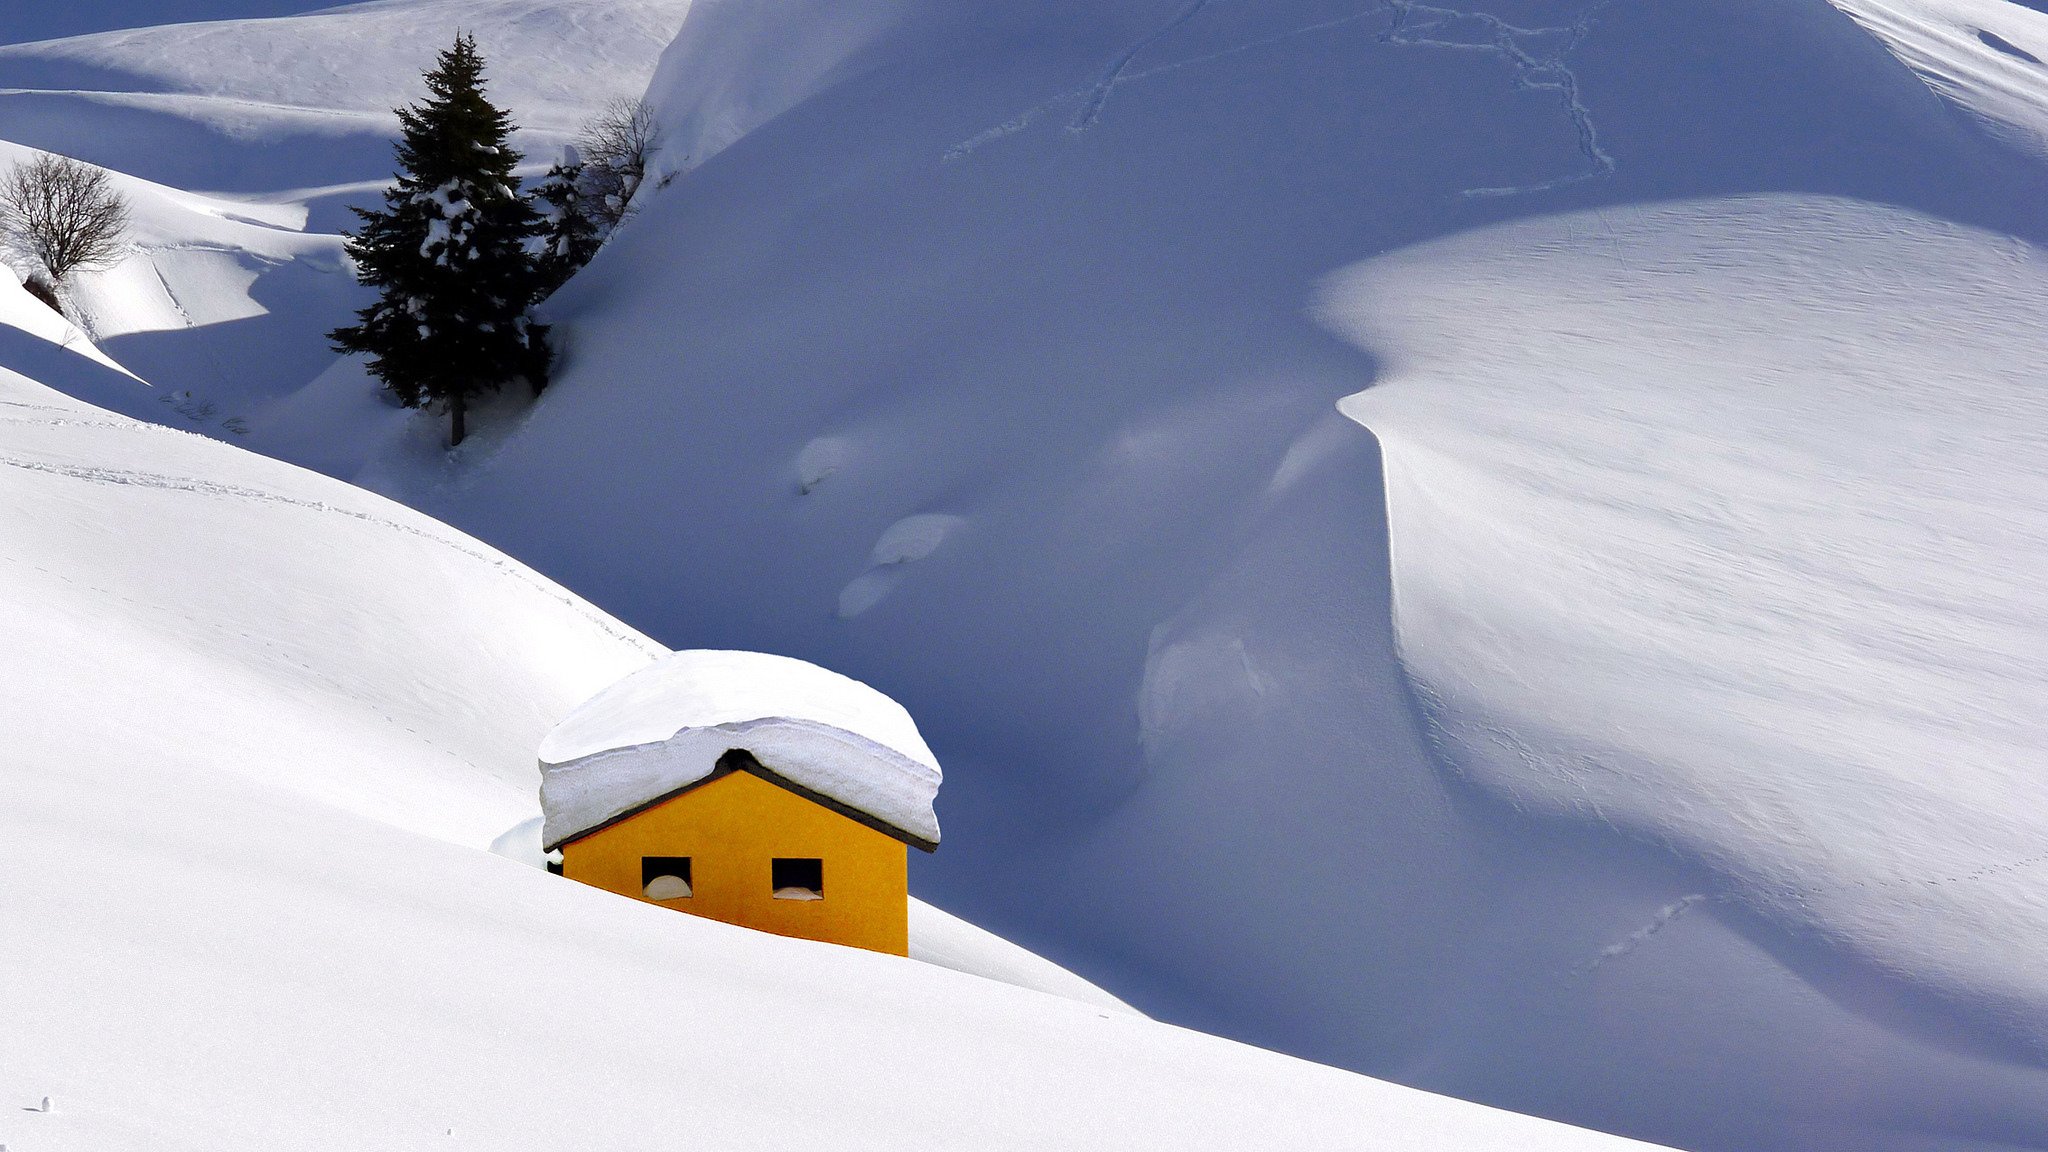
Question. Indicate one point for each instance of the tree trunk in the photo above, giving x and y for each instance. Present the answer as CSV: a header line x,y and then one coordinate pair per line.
x,y
455,412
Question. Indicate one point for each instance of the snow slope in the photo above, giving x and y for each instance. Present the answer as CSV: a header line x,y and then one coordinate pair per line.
x,y
226,295
227,299
260,721
1775,602
240,618
1984,55
49,21
975,354
985,351
233,105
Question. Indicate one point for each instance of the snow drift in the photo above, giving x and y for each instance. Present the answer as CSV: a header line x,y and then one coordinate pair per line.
x,y
1776,602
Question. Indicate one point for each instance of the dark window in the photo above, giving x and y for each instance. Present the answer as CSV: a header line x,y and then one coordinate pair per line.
x,y
798,878
665,877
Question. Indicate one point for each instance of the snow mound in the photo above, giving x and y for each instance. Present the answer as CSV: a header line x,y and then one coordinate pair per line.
x,y
666,726
1776,601
941,938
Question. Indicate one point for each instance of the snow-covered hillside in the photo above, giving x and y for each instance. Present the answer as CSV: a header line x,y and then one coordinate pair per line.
x,y
236,105
981,356
1777,602
280,124
1672,771
27,22
260,725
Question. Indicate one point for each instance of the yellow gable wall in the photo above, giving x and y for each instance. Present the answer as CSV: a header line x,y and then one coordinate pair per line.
x,y
731,829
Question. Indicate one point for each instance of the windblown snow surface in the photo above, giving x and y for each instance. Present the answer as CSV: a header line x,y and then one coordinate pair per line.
x,y
1650,736
261,725
1778,602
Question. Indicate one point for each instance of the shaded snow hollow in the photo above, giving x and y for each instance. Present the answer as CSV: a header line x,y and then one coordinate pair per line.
x,y
665,727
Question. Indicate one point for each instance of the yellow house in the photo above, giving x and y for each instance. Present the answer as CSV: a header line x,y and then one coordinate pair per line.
x,y
754,789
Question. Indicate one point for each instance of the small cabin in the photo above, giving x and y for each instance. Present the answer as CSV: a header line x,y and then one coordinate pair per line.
x,y
754,789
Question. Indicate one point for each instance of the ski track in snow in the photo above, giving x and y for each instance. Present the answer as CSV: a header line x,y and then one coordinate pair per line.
x,y
1253,45
216,488
1091,110
1671,912
1533,71
1409,24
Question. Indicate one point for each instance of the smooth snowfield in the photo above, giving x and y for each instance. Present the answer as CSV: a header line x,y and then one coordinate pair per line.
x,y
259,720
666,726
1780,602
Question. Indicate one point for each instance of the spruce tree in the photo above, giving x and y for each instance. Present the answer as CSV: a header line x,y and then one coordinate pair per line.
x,y
448,253
569,235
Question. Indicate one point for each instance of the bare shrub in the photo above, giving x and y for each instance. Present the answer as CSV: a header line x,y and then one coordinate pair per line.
x,y
616,146
62,215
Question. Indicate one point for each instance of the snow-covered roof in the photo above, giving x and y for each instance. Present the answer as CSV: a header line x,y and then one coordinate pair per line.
x,y
663,729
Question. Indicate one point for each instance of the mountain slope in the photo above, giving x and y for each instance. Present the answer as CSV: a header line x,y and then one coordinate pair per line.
x,y
991,352
235,105
226,295
264,719
979,357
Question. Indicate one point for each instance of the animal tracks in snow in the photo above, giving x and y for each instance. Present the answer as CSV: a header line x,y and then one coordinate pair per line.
x,y
1670,912
1537,57
93,474
1091,108
1636,939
